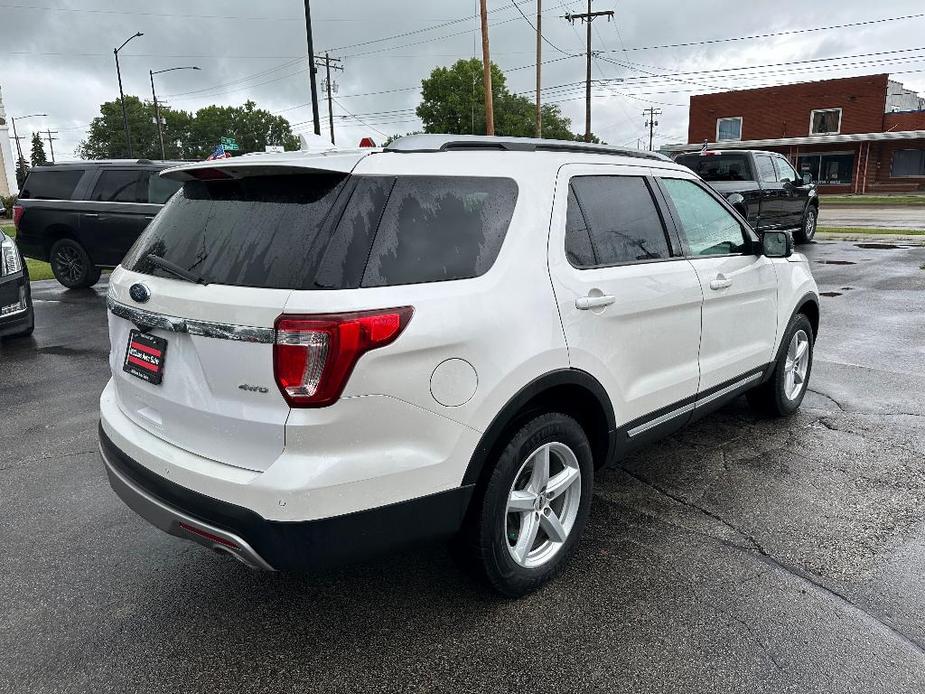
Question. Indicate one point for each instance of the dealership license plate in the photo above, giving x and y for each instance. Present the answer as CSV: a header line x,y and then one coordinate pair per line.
x,y
144,356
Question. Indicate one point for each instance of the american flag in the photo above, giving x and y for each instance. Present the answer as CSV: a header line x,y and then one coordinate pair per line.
x,y
218,153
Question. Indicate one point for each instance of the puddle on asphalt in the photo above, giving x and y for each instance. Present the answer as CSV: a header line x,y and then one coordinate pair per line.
x,y
830,293
879,246
836,262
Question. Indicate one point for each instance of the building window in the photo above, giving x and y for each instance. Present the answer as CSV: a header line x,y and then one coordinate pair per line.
x,y
908,162
728,129
835,168
825,121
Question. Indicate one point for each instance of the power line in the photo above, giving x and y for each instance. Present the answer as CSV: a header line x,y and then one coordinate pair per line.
x,y
706,42
533,26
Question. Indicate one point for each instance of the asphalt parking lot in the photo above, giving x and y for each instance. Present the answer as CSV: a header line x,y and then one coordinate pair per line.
x,y
741,555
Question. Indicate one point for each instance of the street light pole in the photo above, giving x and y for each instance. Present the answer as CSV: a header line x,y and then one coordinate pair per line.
x,y
16,135
115,52
157,110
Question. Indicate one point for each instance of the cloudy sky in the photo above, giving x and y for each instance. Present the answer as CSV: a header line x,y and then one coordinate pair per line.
x,y
56,55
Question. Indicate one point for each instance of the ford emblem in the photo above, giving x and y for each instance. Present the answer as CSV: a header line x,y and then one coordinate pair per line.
x,y
139,293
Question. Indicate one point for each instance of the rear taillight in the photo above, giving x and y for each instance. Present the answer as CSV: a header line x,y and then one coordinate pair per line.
x,y
17,215
314,355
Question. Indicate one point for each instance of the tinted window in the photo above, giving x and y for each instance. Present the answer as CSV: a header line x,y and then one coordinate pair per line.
x,y
51,185
440,228
578,247
160,189
718,167
766,173
117,186
622,219
251,232
710,229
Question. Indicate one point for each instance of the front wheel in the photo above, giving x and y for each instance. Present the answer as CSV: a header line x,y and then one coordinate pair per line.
x,y
72,266
782,394
532,511
807,230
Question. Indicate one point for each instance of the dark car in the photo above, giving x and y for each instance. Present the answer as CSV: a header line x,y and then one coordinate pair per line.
x,y
84,216
16,318
762,186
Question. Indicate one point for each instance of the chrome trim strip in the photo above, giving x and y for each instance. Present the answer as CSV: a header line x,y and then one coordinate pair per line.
x,y
175,324
168,519
668,416
706,400
728,389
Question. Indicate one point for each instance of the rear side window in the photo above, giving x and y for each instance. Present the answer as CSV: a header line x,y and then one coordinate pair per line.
x,y
613,220
160,189
118,186
440,228
51,185
766,173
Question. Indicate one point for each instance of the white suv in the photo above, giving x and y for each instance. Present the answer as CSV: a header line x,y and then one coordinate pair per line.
x,y
319,356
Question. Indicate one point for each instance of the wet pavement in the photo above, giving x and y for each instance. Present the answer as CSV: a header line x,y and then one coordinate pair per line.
x,y
742,555
911,217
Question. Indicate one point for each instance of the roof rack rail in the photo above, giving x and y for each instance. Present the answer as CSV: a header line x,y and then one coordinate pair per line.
x,y
453,143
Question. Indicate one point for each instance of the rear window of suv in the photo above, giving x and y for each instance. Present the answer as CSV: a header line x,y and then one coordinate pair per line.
x,y
331,231
51,185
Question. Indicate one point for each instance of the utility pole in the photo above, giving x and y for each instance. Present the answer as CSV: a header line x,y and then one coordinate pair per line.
x,y
51,147
650,114
311,68
330,64
587,18
486,71
18,138
539,66
115,52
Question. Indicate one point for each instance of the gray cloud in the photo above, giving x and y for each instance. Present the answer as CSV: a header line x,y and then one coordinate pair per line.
x,y
60,62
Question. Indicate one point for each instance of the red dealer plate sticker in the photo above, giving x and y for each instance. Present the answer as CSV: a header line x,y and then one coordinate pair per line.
x,y
144,356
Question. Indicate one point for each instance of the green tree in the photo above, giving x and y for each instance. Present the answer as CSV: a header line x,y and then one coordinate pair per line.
x,y
251,127
453,102
22,170
38,151
186,135
106,139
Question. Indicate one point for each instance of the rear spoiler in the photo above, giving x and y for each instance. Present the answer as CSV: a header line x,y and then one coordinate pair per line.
x,y
243,167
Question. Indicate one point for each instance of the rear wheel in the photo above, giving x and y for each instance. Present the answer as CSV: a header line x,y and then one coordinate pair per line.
x,y
533,509
807,230
782,394
72,266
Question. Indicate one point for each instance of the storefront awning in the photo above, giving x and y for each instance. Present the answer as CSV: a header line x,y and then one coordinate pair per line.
x,y
808,140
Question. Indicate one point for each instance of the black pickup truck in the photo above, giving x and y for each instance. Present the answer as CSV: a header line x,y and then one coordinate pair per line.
x,y
84,216
762,186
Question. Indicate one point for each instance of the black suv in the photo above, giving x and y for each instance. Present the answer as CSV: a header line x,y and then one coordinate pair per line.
x,y
84,216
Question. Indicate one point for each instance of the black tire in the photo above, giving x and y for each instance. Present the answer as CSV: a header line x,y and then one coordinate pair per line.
x,y
486,540
807,230
72,266
771,397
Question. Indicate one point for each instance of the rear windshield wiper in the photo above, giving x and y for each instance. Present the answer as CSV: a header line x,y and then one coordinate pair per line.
x,y
175,269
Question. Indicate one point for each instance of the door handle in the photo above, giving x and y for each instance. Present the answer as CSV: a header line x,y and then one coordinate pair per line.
x,y
721,282
583,303
91,214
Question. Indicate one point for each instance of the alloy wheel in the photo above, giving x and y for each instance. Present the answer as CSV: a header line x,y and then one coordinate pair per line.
x,y
542,504
68,264
796,365
810,229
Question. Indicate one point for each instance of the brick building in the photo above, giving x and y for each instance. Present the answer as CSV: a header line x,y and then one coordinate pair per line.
x,y
854,135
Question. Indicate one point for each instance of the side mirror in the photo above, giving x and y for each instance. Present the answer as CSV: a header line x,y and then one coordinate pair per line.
x,y
807,179
776,244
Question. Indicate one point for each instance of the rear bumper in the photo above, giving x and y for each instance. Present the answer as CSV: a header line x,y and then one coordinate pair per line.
x,y
280,545
15,290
